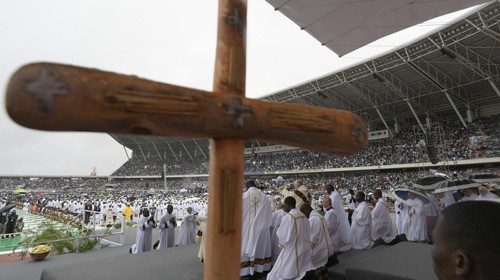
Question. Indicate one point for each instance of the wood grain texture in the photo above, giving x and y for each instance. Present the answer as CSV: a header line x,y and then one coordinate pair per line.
x,y
92,100
225,184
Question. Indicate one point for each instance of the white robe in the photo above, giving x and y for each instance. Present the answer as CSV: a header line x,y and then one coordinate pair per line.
x,y
446,201
256,232
339,245
361,227
167,229
431,208
344,227
488,196
471,197
295,258
275,248
202,220
382,226
401,214
188,230
144,235
415,225
319,237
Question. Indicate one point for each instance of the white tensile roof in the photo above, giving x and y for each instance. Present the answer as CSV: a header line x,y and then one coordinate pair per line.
x,y
346,25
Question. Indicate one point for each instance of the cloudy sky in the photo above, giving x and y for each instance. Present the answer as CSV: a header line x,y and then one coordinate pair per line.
x,y
165,40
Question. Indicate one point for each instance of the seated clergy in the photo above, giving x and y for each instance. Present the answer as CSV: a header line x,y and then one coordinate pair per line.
x,y
277,217
383,230
361,224
319,238
294,260
340,242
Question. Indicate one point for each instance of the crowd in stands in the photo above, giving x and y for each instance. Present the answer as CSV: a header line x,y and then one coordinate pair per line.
x,y
11,183
453,142
366,181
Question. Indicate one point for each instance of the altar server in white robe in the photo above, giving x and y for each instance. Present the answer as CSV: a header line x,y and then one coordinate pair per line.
x,y
201,236
294,260
256,231
188,228
341,242
401,214
415,226
382,226
277,217
167,226
361,224
319,237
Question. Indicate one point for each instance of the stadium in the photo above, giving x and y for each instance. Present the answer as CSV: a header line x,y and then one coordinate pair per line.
x,y
444,85
431,106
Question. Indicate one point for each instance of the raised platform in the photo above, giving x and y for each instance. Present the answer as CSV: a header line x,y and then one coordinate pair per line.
x,y
408,261
173,263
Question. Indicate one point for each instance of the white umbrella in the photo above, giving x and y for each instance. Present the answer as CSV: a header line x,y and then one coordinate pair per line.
x,y
485,178
454,185
431,182
401,195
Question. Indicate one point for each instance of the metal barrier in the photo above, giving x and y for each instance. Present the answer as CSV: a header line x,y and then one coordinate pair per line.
x,y
94,219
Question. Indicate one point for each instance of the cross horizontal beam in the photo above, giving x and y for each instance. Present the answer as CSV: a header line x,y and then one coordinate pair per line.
x,y
100,101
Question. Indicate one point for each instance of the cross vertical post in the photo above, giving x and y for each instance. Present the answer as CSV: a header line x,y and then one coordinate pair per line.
x,y
223,238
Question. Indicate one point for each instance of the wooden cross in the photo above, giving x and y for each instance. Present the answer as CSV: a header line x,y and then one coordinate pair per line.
x,y
50,96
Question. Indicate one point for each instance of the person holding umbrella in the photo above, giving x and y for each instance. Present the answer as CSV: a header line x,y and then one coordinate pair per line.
x,y
4,216
11,223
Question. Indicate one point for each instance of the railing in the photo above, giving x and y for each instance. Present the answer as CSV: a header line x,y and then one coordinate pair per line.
x,y
67,228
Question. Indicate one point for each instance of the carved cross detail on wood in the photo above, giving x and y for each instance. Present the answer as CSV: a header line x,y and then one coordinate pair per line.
x,y
81,99
45,87
238,111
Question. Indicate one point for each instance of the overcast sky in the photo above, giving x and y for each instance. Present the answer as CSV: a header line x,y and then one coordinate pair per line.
x,y
166,40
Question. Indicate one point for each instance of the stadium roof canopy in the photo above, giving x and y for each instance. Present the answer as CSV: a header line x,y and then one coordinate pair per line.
x,y
345,25
440,76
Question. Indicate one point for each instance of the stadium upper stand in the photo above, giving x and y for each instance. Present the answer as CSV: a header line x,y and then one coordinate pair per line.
x,y
479,140
444,80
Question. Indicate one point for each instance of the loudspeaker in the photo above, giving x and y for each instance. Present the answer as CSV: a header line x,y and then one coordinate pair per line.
x,y
432,151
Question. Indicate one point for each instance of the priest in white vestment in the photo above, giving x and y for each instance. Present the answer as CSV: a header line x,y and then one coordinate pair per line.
x,y
256,231
277,217
299,192
319,237
415,226
382,226
361,224
294,260
341,240
167,226
188,228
